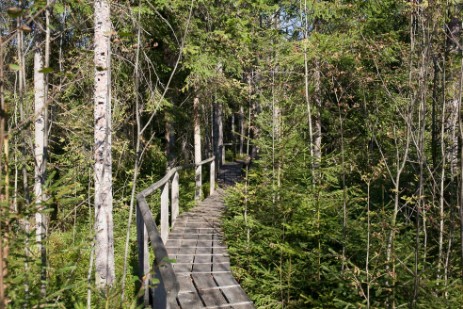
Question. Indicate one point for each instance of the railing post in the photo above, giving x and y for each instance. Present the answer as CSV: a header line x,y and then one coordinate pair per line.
x,y
165,213
143,255
212,177
175,198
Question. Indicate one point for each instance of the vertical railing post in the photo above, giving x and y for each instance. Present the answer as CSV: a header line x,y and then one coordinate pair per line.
x,y
143,256
165,213
175,198
212,177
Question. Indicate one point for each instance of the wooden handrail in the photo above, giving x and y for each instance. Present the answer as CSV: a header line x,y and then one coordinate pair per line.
x,y
165,293
159,183
206,161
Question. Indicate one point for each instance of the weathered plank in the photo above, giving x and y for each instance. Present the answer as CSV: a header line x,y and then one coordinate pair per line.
x,y
202,263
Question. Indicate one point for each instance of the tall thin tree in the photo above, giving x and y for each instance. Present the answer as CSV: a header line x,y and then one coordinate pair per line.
x,y
104,239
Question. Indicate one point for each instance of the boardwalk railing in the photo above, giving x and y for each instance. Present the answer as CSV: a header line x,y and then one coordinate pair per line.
x,y
166,286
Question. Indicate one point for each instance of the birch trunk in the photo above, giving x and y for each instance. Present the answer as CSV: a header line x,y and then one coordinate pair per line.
x,y
104,240
307,86
317,130
40,157
197,141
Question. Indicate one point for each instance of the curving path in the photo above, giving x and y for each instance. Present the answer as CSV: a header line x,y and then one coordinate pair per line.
x,y
202,263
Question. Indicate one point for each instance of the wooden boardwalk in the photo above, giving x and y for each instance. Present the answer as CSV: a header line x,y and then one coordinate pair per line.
x,y
202,263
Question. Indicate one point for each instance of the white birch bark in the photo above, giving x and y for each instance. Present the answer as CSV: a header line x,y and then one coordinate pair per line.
x,y
104,240
39,145
317,129
197,141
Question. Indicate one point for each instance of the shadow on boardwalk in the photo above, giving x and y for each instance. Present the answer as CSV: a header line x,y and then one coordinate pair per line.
x,y
202,263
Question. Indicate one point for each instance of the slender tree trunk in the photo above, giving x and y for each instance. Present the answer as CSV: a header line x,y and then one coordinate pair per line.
x,y
197,141
104,244
317,133
242,130
233,135
170,138
400,163
343,178
219,150
217,133
4,200
40,158
22,155
304,20
254,112
460,126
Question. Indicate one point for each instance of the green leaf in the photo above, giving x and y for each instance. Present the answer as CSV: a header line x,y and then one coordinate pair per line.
x,y
58,8
46,70
14,66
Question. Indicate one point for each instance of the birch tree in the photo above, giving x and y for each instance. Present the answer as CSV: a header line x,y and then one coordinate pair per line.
x,y
104,242
40,154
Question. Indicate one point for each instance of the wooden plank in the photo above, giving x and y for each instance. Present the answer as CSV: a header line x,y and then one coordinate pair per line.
x,y
186,251
224,279
220,266
205,243
203,258
203,281
212,297
173,243
174,235
187,258
172,251
190,300
202,268
235,294
206,250
220,259
220,250
186,284
182,268
242,305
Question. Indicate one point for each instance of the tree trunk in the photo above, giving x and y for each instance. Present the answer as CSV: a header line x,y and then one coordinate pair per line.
x,y
170,139
317,130
4,196
104,250
218,128
242,130
40,157
197,141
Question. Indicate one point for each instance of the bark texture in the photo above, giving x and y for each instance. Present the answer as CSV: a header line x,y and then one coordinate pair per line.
x,y
104,249
39,145
40,152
